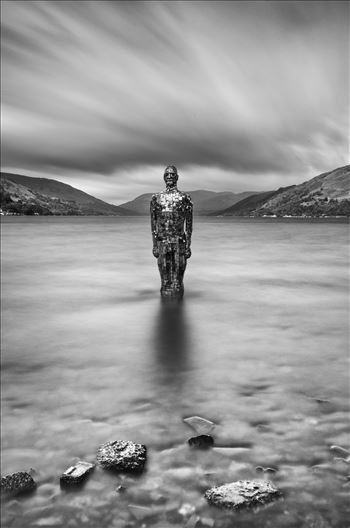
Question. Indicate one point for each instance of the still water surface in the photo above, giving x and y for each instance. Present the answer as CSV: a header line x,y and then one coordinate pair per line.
x,y
258,345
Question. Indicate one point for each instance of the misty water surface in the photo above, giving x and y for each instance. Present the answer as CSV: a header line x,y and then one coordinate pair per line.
x,y
258,345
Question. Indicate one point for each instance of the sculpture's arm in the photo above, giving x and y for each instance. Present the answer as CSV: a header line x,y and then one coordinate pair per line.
x,y
154,227
189,225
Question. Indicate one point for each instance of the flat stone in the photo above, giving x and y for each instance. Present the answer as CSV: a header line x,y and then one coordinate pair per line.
x,y
49,521
262,469
140,512
193,522
202,441
122,455
344,454
243,494
77,473
206,521
230,452
199,424
20,482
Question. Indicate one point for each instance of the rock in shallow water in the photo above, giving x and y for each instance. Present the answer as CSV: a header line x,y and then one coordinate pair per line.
x,y
20,482
122,455
199,424
77,473
243,494
201,442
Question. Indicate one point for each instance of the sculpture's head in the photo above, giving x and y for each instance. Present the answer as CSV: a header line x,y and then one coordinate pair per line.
x,y
171,176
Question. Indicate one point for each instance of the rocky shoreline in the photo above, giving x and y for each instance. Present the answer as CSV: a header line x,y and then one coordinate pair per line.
x,y
125,459
129,457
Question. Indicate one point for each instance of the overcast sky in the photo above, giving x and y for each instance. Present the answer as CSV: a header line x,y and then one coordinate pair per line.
x,y
238,95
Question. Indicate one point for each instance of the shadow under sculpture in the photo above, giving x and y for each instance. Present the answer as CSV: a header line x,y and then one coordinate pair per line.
x,y
171,223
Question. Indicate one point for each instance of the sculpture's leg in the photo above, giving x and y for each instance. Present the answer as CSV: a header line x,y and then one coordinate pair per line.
x,y
172,265
181,263
164,267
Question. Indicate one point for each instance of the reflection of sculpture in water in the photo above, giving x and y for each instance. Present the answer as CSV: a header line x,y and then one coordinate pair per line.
x,y
171,341
171,222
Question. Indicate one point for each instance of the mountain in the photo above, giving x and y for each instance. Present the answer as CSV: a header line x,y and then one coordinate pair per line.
x,y
27,195
327,194
140,205
249,205
204,202
216,201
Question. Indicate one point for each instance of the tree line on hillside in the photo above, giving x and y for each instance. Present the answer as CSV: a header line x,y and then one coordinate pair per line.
x,y
23,207
312,206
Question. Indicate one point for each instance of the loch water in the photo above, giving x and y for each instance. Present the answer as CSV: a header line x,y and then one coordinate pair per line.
x,y
258,345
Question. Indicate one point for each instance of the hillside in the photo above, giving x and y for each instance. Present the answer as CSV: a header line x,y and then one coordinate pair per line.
x,y
204,202
327,194
219,200
249,205
140,205
27,195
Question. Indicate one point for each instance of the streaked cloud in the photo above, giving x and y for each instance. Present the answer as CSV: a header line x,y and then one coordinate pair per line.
x,y
239,95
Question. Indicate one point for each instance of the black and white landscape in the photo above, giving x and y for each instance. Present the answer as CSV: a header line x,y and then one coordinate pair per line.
x,y
228,408
326,195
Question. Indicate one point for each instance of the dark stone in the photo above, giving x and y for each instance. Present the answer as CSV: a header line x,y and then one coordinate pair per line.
x,y
243,494
201,442
16,483
122,455
77,473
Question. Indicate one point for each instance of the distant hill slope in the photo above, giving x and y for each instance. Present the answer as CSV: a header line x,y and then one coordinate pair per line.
x,y
140,205
27,195
204,202
327,194
219,200
250,204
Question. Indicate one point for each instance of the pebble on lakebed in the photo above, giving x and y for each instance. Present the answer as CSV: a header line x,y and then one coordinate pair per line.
x,y
122,455
201,442
16,483
243,494
77,473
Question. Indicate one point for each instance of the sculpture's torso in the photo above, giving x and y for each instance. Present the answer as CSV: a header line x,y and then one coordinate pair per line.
x,y
171,208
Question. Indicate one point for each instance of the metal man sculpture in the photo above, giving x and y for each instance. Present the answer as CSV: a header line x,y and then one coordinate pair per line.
x,y
171,222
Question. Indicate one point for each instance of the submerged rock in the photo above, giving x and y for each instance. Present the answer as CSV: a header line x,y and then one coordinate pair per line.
x,y
122,455
49,521
20,482
202,441
315,520
193,522
77,473
187,510
265,470
206,521
199,424
140,512
243,494
344,453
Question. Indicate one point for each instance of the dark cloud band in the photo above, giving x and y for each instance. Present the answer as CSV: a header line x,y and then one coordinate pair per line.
x,y
252,87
